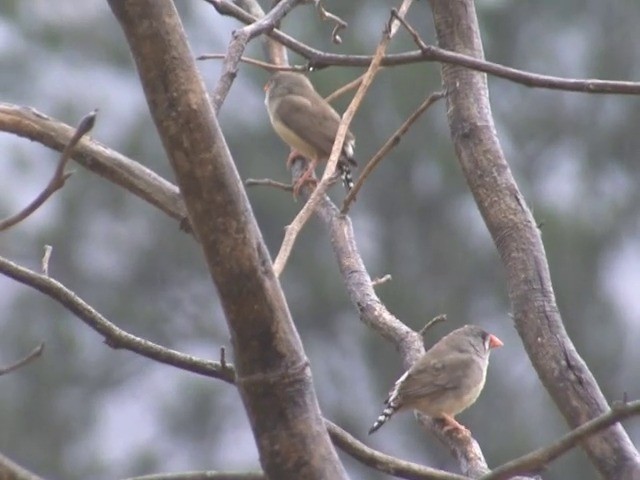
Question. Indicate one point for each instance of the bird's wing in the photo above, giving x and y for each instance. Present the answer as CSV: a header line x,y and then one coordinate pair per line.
x,y
435,376
318,128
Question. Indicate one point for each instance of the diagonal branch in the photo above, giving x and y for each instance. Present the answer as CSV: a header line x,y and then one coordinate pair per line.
x,y
387,147
114,336
538,459
59,175
31,356
10,470
517,238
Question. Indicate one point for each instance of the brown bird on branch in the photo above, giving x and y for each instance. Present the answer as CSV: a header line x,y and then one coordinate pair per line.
x,y
446,380
307,123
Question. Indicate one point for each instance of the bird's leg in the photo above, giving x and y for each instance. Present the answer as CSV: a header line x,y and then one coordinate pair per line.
x,y
305,177
292,156
453,424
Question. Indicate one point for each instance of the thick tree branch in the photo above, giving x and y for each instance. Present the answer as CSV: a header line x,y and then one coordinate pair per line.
x,y
114,336
517,238
273,376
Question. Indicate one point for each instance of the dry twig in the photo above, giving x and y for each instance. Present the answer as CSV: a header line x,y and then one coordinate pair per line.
x,y
35,353
387,147
59,175
114,336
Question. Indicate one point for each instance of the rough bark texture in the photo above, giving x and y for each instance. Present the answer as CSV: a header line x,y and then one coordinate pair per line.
x,y
512,226
273,374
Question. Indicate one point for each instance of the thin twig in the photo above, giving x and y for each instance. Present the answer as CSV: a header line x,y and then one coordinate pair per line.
x,y
379,281
271,67
318,59
35,353
387,147
326,15
59,175
344,89
431,323
536,460
303,216
44,264
114,336
267,182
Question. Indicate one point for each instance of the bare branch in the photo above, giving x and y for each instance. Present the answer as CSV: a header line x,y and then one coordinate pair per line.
x,y
210,475
10,470
59,175
270,67
319,59
35,353
379,281
535,461
267,182
326,15
95,157
388,146
382,462
44,263
431,323
346,88
517,238
114,336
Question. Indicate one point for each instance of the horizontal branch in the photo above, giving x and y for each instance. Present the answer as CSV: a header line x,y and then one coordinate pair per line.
x,y
208,475
318,59
114,337
536,460
35,353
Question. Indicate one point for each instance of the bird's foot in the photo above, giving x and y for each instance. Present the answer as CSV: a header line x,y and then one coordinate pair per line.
x,y
300,183
452,424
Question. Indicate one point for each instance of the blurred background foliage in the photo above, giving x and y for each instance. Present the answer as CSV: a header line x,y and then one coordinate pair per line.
x,y
86,411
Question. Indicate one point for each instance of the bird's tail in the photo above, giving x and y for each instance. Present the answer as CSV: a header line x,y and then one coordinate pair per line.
x,y
386,414
345,174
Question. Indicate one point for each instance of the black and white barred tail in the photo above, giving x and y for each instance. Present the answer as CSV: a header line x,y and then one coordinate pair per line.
x,y
384,416
345,174
393,404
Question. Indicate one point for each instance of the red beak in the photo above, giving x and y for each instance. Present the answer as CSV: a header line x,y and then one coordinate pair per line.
x,y
495,342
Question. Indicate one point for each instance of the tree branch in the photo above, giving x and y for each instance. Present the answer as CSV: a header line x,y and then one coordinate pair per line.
x,y
517,238
240,39
387,147
10,470
382,462
318,59
59,175
35,353
538,459
209,475
114,336
109,164
273,376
